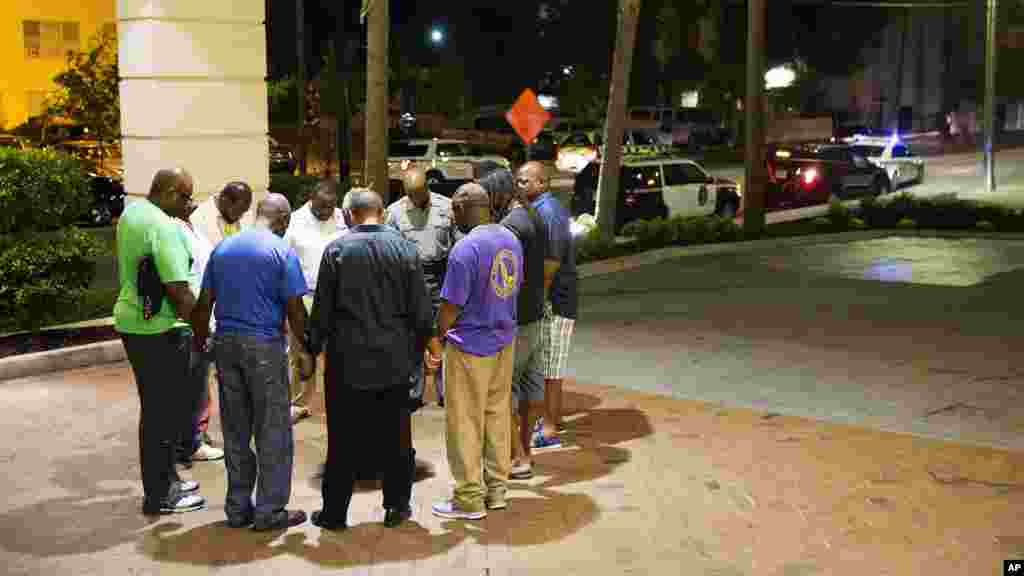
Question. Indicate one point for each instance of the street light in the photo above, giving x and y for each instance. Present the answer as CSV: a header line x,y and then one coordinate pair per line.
x,y
437,36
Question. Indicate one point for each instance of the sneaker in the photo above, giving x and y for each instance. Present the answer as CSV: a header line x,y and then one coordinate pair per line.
x,y
186,486
448,509
284,520
542,442
393,517
207,453
522,471
299,412
496,502
177,503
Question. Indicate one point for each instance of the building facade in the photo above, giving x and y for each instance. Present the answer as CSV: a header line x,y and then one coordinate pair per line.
x,y
36,37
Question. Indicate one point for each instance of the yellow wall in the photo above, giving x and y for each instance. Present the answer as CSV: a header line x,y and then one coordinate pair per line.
x,y
20,74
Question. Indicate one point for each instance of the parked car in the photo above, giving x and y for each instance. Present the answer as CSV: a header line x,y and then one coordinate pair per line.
x,y
11,141
659,187
582,148
443,160
282,159
812,174
902,166
106,179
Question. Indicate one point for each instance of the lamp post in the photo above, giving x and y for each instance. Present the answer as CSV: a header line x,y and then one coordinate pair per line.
x,y
990,95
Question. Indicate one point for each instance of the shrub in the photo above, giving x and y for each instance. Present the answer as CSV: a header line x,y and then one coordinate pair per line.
x,y
40,190
696,230
857,224
906,223
985,225
945,213
886,213
297,189
43,278
839,216
590,247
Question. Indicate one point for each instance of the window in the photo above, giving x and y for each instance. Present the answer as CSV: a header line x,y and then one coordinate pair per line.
x,y
453,149
641,177
46,39
683,173
404,149
900,151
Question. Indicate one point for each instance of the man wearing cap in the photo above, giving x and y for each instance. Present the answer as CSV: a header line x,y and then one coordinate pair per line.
x,y
425,219
478,323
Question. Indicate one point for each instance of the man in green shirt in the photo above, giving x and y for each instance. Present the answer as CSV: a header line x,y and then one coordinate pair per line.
x,y
158,346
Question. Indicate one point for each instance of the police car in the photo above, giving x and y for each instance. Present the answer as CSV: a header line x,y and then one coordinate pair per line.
x,y
442,160
659,186
892,155
581,148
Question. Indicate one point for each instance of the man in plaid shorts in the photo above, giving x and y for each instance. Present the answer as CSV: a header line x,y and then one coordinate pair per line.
x,y
560,306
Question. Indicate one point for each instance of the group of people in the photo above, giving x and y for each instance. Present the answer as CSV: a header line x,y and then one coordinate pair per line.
x,y
478,291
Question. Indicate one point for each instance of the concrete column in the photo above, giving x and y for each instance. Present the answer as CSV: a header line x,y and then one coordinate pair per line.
x,y
193,92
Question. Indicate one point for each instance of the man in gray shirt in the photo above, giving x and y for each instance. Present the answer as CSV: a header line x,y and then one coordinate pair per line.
x,y
425,219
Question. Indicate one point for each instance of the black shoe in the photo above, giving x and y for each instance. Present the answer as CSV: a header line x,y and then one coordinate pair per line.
x,y
393,517
440,401
242,522
285,519
319,521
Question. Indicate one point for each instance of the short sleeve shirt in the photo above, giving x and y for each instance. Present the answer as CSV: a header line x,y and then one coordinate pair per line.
x,y
483,280
560,241
531,234
146,230
252,275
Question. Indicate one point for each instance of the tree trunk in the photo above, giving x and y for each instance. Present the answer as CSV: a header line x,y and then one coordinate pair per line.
x,y
300,79
375,173
618,97
755,177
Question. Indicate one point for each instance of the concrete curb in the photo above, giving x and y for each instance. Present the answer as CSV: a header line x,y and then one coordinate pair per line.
x,y
37,363
26,365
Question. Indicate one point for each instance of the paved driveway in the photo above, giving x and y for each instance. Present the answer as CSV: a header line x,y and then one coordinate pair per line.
x,y
913,335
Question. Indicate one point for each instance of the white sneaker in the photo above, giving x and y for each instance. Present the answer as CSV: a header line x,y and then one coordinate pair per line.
x,y
298,413
206,453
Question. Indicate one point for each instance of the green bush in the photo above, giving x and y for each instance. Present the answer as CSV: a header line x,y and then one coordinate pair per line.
x,y
297,189
43,278
839,216
590,248
886,213
985,225
906,223
945,213
40,190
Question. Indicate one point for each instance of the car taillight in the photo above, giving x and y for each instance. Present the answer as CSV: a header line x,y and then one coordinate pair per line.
x,y
810,176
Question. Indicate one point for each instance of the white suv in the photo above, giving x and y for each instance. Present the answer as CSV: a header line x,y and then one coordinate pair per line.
x,y
442,160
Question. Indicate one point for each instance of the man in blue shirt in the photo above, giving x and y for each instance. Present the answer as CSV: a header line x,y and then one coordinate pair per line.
x,y
255,279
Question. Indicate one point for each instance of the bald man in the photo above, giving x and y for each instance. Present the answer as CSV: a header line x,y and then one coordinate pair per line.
x,y
225,213
151,315
255,278
372,318
425,219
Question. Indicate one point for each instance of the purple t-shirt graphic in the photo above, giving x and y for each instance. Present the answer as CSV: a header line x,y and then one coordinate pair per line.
x,y
485,270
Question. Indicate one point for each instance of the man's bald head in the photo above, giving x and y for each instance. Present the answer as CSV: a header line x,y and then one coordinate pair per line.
x,y
532,180
171,190
234,201
275,212
415,183
366,206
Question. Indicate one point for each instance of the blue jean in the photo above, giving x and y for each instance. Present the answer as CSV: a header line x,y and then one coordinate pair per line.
x,y
254,403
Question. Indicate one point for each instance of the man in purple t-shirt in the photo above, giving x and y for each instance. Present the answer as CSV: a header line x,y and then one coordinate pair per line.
x,y
477,321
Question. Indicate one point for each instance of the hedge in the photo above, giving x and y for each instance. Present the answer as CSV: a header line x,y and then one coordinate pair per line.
x,y
41,190
46,263
901,212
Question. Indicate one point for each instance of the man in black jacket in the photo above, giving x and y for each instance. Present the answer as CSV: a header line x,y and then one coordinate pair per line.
x,y
372,315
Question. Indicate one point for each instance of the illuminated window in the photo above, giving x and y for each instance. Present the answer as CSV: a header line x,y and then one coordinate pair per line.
x,y
44,39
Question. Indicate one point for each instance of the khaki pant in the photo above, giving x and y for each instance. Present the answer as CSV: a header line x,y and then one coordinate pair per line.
x,y
300,392
478,394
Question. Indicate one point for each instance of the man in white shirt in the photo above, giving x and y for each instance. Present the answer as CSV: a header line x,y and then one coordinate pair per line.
x,y
224,214
199,447
313,226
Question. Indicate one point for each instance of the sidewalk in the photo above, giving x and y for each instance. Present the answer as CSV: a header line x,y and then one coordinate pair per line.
x,y
649,485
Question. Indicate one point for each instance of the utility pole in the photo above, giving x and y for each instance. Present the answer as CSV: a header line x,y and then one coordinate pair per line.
x,y
608,181
990,95
375,171
753,195
300,80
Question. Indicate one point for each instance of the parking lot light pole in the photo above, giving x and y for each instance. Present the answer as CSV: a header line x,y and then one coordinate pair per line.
x,y
990,95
